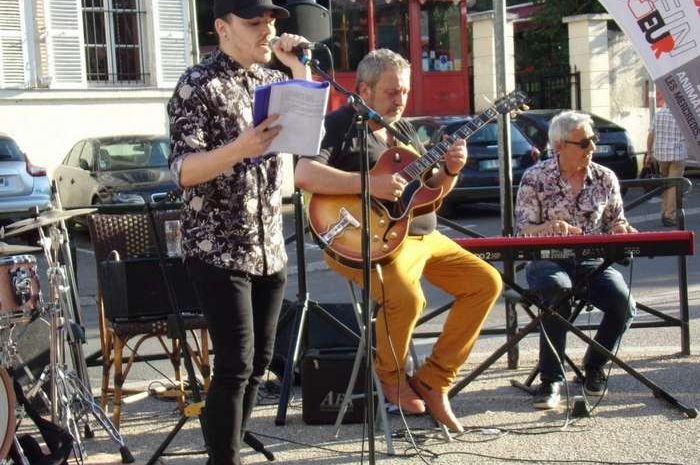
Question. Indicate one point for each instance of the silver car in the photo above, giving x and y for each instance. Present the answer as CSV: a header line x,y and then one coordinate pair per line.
x,y
22,184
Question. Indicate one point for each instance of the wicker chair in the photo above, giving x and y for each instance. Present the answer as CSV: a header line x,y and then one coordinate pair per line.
x,y
131,237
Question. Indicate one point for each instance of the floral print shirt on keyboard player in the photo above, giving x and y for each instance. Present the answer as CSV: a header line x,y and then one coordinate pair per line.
x,y
543,196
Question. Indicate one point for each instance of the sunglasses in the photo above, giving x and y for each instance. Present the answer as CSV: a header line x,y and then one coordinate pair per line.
x,y
584,143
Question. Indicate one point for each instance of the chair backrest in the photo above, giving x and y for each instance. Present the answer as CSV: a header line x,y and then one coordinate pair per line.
x,y
134,287
129,234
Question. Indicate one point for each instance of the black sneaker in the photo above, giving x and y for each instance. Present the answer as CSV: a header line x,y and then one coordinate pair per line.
x,y
595,383
547,395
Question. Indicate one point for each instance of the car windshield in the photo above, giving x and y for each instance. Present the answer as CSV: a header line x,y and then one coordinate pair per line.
x,y
9,150
133,154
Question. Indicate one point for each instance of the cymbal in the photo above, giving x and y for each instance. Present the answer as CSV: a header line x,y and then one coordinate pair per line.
x,y
44,219
14,249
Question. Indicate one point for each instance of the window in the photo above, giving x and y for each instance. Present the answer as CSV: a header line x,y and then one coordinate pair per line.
x,y
87,157
440,37
73,156
350,33
391,26
9,150
114,44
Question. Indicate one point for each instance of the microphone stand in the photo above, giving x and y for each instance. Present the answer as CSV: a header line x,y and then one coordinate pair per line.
x,y
364,114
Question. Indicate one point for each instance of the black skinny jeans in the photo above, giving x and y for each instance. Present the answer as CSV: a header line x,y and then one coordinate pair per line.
x,y
241,311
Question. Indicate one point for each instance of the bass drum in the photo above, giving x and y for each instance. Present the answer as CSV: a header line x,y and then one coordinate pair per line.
x,y
7,413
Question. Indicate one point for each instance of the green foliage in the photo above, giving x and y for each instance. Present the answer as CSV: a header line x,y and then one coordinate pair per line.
x,y
544,45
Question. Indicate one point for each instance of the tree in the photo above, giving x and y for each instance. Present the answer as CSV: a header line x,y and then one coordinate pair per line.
x,y
543,43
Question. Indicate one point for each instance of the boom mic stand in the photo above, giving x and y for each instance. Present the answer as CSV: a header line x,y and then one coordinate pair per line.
x,y
364,114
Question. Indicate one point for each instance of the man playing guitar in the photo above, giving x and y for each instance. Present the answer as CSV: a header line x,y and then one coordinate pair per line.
x,y
383,81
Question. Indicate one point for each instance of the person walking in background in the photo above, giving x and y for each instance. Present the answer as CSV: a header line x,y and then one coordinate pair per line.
x,y
666,145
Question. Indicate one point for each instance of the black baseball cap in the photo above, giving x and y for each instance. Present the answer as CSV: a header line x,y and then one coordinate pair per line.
x,y
248,9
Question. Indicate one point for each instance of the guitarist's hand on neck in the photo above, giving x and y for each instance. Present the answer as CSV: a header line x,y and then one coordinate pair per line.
x,y
454,160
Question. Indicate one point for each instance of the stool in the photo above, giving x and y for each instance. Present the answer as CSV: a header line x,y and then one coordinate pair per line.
x,y
357,363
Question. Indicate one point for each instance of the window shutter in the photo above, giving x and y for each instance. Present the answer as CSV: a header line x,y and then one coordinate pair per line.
x,y
172,46
12,48
64,28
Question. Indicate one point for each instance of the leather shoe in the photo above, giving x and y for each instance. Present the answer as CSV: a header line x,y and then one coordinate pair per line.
x,y
404,396
438,405
668,222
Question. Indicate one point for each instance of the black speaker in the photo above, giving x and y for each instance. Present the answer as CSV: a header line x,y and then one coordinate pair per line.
x,y
321,331
135,289
325,374
326,333
308,18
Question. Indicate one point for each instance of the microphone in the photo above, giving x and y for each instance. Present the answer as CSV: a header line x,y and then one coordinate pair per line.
x,y
300,48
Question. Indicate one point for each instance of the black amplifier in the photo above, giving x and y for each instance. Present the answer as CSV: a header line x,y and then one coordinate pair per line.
x,y
324,378
134,288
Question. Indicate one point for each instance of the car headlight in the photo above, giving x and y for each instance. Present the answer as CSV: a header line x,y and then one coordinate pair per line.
x,y
127,197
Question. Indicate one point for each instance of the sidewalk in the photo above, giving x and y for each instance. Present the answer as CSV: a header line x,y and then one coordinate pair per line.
x,y
629,426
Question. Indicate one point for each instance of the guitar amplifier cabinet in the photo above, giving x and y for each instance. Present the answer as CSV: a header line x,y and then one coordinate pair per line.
x,y
324,378
134,288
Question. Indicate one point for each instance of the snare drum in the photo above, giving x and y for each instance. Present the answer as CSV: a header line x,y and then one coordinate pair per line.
x,y
19,289
7,413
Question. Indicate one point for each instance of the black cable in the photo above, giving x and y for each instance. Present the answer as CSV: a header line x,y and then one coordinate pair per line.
x,y
380,277
436,455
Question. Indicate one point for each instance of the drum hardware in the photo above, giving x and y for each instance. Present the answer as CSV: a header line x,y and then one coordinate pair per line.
x,y
15,249
72,403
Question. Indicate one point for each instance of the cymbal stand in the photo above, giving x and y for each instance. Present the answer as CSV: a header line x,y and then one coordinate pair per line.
x,y
72,402
75,313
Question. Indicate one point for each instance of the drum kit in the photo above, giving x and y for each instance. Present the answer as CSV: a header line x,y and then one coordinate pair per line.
x,y
70,399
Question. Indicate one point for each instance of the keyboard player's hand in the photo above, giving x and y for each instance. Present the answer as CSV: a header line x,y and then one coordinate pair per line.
x,y
622,228
562,228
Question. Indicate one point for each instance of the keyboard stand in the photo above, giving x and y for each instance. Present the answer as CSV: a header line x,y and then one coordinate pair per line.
x,y
532,300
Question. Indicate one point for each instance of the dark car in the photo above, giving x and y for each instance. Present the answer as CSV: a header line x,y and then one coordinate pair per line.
x,y
22,184
482,168
115,170
614,150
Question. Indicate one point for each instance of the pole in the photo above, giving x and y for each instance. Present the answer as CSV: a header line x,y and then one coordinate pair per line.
x,y
506,174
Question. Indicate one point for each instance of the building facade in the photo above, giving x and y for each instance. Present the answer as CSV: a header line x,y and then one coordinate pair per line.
x,y
76,68
71,69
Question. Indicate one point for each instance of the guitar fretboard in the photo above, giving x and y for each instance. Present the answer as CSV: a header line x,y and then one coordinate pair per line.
x,y
418,168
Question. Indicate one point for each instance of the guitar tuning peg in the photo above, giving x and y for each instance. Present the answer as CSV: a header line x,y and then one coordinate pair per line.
x,y
524,107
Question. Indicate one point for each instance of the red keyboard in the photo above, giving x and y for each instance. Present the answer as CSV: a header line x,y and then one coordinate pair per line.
x,y
609,246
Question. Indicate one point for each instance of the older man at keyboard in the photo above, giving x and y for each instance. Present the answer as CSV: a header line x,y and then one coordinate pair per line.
x,y
564,195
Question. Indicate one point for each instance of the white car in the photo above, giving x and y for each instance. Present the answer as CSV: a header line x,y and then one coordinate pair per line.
x,y
22,184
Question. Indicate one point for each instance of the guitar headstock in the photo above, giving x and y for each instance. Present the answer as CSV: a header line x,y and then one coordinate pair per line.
x,y
511,102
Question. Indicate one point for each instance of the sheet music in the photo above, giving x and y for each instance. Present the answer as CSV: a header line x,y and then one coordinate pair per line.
x,y
301,106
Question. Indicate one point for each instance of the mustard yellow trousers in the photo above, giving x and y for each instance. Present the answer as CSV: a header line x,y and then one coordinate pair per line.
x,y
474,284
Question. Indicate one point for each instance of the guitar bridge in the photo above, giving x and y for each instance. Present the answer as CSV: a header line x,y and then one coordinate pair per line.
x,y
345,221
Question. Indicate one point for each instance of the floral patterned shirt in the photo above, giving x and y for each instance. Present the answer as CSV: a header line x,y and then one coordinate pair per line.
x,y
544,196
233,221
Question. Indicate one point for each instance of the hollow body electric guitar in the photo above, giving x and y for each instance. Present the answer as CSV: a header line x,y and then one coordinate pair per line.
x,y
335,219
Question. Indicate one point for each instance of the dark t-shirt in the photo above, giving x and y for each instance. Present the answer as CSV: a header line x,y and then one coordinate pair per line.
x,y
341,149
